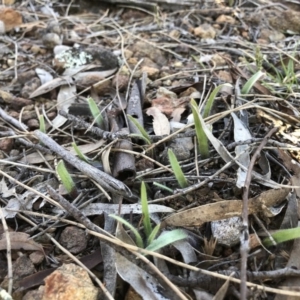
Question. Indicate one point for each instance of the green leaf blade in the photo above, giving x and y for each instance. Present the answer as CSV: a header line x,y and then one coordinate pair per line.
x,y
95,112
283,236
182,181
145,210
201,136
167,239
138,238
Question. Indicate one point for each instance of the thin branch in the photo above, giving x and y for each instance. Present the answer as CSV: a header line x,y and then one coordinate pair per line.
x,y
245,233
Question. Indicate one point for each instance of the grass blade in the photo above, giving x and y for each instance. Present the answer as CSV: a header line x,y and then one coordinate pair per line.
x,y
145,210
95,112
140,128
42,124
283,236
138,238
66,179
153,234
251,81
211,99
79,153
201,136
177,169
167,238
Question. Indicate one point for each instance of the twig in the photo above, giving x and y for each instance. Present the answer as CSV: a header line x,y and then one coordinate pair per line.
x,y
245,233
26,143
106,135
12,120
106,181
8,253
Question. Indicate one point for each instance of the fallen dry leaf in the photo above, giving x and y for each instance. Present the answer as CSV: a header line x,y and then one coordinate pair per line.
x,y
225,209
19,240
161,124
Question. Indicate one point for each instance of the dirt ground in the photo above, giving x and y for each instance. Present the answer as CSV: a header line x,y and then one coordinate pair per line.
x,y
149,150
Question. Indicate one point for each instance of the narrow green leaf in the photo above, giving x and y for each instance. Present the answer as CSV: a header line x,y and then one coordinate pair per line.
x,y
145,210
140,128
163,187
95,112
42,124
153,234
251,81
138,238
79,153
201,136
139,136
211,99
177,169
283,236
66,178
167,239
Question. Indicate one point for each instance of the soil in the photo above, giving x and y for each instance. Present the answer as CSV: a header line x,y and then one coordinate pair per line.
x,y
158,76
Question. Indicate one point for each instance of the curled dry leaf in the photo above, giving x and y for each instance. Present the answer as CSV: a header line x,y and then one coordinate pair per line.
x,y
161,125
65,98
51,85
225,209
19,240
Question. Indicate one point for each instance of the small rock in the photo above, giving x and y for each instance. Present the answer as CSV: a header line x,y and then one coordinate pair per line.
x,y
35,49
175,34
227,231
30,86
225,76
127,53
181,148
33,124
23,267
54,27
35,294
120,81
218,60
74,239
142,49
50,40
289,21
152,72
205,31
24,77
69,282
9,18
276,36
144,164
19,103
6,144
37,257
225,19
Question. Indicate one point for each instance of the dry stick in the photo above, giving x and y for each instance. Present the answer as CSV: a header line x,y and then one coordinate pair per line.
x,y
81,218
8,253
12,120
26,143
106,181
106,135
245,233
